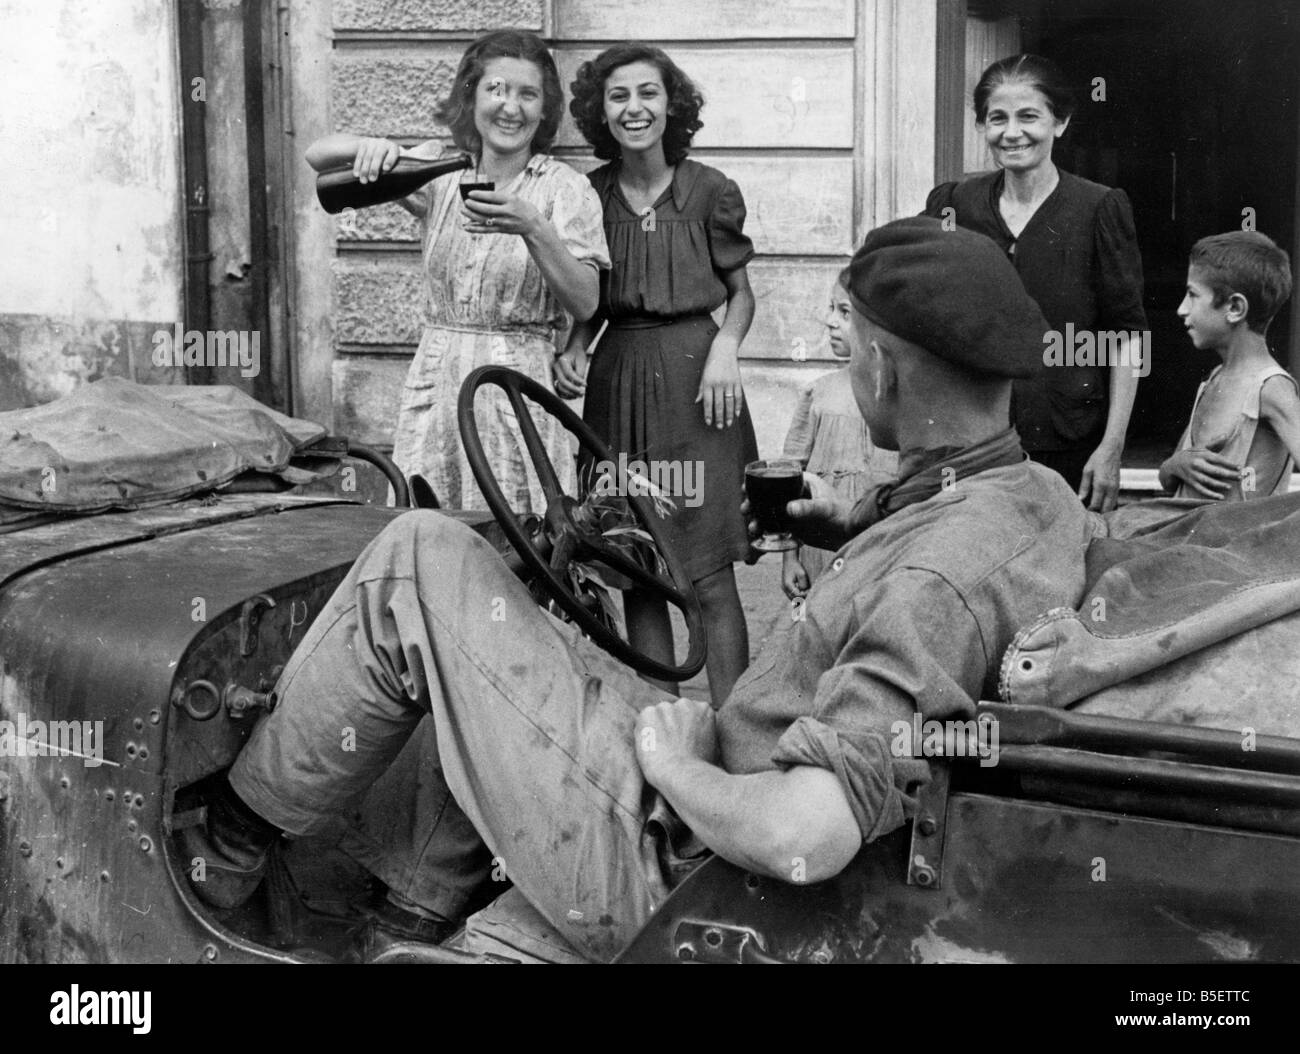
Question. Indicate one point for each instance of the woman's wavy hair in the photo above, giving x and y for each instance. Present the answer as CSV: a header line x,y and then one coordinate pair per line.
x,y
457,110
1034,70
588,103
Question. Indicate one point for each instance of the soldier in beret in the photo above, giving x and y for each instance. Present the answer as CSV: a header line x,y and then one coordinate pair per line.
x,y
595,792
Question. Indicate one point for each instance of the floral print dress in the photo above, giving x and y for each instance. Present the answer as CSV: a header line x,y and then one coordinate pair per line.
x,y
487,303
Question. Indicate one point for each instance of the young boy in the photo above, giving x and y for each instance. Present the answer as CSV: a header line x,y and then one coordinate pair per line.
x,y
1244,435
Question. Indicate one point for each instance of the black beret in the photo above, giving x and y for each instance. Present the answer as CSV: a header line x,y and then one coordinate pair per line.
x,y
950,290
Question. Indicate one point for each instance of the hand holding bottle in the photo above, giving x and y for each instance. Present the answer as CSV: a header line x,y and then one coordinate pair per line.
x,y
374,156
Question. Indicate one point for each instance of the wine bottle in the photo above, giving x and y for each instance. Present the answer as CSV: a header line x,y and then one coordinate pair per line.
x,y
338,189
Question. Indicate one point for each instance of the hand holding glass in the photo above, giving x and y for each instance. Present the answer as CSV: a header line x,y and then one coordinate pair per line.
x,y
770,485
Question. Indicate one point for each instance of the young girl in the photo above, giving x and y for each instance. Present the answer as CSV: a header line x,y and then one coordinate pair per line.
x,y
665,384
830,440
502,268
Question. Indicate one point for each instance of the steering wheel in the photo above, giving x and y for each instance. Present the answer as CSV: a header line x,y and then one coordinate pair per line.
x,y
565,537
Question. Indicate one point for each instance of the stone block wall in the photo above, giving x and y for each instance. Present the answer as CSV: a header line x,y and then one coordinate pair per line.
x,y
793,95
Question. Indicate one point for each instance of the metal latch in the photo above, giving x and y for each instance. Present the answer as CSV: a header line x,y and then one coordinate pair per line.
x,y
249,617
925,856
240,702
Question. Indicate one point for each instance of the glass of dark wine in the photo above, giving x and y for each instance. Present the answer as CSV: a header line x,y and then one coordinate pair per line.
x,y
472,181
770,485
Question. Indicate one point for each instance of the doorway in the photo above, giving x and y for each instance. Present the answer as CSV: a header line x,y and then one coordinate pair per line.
x,y
1190,107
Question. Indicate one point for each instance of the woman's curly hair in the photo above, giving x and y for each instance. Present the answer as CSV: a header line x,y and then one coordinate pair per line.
x,y
588,103
457,110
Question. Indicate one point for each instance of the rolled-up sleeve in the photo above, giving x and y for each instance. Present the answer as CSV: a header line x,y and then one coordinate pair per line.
x,y
917,648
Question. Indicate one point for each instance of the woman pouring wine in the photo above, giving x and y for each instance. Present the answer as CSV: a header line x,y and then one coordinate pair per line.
x,y
502,266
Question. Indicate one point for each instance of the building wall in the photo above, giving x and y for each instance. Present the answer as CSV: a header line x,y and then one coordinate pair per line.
x,y
90,196
821,110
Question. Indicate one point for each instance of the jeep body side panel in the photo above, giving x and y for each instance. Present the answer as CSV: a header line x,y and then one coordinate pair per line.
x,y
1023,881
111,639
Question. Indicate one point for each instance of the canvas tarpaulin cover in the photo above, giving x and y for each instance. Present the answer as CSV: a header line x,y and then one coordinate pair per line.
x,y
1191,615
116,444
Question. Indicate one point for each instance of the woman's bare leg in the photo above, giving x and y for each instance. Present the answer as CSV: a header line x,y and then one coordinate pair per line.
x,y
724,620
649,631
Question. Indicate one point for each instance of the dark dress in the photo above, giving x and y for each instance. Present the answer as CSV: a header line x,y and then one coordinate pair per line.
x,y
664,281
1078,258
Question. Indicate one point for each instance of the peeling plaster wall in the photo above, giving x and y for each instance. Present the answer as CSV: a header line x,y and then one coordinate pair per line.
x,y
90,194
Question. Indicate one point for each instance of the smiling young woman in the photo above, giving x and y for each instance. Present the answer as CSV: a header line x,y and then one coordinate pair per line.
x,y
664,385
1075,248
502,266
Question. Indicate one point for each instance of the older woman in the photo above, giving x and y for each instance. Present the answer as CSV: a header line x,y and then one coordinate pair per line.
x,y
1074,245
502,268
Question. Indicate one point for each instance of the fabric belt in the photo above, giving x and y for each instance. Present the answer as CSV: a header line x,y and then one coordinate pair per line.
x,y
652,321
504,329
